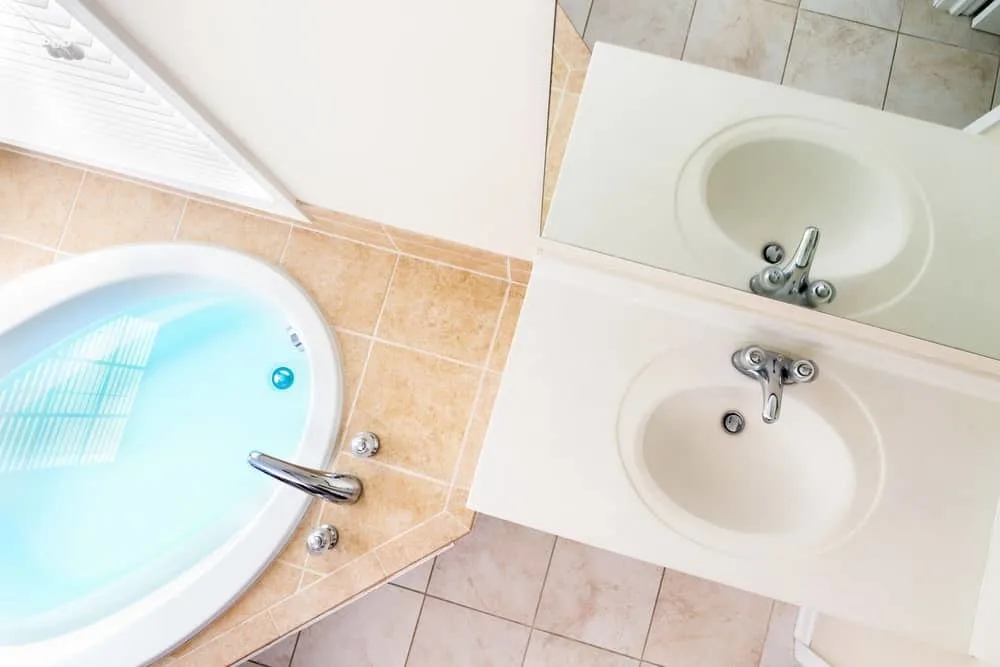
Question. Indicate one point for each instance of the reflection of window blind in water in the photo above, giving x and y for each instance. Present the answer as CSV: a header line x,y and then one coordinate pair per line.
x,y
64,93
71,408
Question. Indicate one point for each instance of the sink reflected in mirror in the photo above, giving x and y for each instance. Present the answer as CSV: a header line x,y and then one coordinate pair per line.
x,y
767,180
794,488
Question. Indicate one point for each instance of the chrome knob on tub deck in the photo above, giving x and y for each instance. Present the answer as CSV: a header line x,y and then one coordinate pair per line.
x,y
773,370
330,486
321,539
364,444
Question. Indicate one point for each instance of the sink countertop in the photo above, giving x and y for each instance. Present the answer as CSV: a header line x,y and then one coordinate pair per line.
x,y
915,568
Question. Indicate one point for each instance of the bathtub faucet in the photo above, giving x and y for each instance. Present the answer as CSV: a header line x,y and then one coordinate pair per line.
x,y
330,486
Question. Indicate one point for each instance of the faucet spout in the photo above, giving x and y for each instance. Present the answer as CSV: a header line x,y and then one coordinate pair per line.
x,y
771,382
773,370
803,257
791,283
329,486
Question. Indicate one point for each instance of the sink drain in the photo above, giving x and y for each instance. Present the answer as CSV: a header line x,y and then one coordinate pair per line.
x,y
733,422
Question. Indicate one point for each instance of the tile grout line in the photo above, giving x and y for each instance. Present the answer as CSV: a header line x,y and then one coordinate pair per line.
x,y
767,631
687,33
791,42
32,244
413,635
295,646
180,219
892,65
284,246
652,615
400,253
586,22
479,392
527,645
404,346
371,346
72,210
545,580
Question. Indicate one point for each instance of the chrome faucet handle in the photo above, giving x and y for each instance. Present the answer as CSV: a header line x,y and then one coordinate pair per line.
x,y
790,283
773,370
329,486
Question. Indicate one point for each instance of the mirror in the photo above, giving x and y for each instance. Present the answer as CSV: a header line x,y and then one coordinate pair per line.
x,y
849,210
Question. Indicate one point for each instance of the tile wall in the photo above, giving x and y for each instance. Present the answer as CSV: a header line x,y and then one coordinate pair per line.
x,y
423,327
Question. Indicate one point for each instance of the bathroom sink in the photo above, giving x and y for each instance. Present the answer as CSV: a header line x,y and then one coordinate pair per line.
x,y
766,180
794,488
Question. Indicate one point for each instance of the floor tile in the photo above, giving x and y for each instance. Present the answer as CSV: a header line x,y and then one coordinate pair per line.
x,y
577,12
655,26
498,568
779,642
417,578
748,37
839,58
940,83
374,631
545,650
699,622
598,597
922,19
279,655
879,13
483,640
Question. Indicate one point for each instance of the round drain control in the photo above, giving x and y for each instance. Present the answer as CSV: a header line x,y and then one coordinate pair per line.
x,y
733,422
772,253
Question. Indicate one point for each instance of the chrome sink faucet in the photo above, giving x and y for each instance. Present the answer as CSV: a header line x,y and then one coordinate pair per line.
x,y
790,283
773,370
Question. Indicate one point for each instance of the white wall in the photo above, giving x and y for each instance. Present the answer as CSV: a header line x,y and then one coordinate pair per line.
x,y
429,116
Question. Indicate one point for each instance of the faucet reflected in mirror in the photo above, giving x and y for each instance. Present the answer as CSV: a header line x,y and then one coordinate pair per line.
x,y
773,370
790,283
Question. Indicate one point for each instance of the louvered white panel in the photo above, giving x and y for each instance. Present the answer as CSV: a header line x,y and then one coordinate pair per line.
x,y
96,110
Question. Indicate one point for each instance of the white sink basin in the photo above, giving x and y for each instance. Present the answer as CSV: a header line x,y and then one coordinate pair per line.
x,y
794,488
768,179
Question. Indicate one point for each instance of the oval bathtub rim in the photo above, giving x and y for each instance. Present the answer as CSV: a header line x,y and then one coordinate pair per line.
x,y
164,618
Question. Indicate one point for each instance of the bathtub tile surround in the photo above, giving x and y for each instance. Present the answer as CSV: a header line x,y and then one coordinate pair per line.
x,y
109,211
423,340
501,583
36,197
858,50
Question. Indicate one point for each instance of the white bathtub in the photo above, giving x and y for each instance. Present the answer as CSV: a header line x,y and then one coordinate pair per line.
x,y
142,624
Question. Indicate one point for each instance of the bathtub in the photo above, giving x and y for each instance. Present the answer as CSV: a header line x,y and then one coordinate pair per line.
x,y
133,383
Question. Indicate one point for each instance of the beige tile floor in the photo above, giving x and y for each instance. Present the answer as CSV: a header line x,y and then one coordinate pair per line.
x,y
900,55
510,596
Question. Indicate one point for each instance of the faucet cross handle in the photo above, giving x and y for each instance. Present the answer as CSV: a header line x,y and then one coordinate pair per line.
x,y
790,283
773,370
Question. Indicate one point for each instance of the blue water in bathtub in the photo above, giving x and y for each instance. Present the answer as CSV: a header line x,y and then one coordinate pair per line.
x,y
123,453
